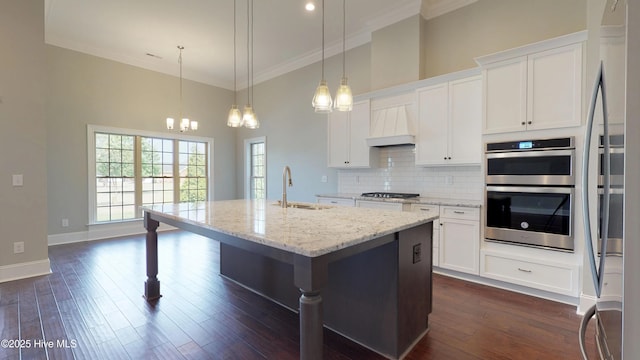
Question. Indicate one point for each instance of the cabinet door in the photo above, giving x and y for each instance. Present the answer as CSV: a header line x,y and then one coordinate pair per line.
x,y
359,151
460,245
465,121
505,96
431,145
338,139
555,88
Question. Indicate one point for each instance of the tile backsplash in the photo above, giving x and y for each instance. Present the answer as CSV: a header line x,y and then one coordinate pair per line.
x,y
397,172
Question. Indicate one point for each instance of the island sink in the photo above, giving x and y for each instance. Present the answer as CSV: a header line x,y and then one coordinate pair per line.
x,y
305,206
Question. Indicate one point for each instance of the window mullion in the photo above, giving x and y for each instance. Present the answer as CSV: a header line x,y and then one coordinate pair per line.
x,y
176,171
138,173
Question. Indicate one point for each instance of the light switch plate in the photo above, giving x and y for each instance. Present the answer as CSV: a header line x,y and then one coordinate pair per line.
x,y
17,180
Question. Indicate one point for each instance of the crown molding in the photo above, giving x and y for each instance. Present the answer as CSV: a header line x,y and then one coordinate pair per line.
x,y
434,8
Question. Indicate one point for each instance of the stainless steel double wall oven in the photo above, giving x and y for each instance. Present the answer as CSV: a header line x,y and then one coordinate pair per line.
x,y
530,192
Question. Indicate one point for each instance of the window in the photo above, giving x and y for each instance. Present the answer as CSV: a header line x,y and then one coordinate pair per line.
x,y
132,168
256,168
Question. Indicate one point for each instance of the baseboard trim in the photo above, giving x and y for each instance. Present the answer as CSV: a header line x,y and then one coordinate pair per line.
x,y
24,270
103,231
586,301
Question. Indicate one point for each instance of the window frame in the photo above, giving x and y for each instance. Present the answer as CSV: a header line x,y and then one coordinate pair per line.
x,y
247,162
91,163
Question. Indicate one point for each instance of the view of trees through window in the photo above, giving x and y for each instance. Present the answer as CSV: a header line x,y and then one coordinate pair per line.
x,y
138,170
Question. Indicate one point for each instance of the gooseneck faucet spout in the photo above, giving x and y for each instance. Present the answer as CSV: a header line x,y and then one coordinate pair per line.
x,y
286,171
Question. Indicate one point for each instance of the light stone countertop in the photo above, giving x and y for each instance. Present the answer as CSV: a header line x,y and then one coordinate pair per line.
x,y
418,200
302,231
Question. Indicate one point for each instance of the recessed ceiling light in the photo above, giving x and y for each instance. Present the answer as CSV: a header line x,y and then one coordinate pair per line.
x,y
310,6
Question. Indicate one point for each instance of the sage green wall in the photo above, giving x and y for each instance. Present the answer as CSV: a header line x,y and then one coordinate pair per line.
x,y
296,136
84,89
396,55
23,142
453,40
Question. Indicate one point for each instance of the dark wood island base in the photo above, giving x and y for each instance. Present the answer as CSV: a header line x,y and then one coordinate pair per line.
x,y
379,298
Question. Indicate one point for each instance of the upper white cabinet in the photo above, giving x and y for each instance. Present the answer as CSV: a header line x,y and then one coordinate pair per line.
x,y
450,118
539,89
347,133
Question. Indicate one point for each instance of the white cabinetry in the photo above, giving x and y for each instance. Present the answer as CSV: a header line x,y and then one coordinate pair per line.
x,y
392,206
347,133
538,90
450,118
336,201
460,239
555,276
431,210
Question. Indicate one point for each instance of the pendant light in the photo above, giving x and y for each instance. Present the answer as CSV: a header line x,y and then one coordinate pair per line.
x,y
235,117
322,98
249,118
185,123
344,97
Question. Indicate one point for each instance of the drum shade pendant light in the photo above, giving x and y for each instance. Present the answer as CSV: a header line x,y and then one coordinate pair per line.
x,y
185,123
322,102
235,117
249,118
344,97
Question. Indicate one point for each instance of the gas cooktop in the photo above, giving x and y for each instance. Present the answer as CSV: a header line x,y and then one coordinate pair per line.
x,y
389,195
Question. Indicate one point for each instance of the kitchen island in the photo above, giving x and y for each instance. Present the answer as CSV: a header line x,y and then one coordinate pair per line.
x,y
364,273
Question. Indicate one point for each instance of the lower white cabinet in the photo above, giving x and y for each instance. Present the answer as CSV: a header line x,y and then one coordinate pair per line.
x,y
553,276
460,239
393,206
336,201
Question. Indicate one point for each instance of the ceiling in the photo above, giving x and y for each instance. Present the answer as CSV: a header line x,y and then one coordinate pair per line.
x,y
146,33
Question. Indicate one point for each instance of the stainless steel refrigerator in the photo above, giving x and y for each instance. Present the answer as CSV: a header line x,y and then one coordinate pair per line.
x,y
605,138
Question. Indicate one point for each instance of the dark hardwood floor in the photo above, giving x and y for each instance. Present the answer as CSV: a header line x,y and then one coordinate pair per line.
x,y
91,307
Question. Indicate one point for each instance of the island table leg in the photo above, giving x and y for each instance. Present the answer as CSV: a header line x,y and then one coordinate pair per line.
x,y
310,275
152,285
311,337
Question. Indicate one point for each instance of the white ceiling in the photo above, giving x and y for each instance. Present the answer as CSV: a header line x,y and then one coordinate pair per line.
x,y
286,37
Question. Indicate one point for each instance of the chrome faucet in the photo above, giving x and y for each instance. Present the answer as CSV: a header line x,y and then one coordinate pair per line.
x,y
286,171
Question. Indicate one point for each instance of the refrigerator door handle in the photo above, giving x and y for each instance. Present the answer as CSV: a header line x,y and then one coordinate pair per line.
x,y
585,182
606,163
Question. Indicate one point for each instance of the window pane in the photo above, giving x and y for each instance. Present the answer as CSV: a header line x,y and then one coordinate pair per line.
x,y
114,161
257,170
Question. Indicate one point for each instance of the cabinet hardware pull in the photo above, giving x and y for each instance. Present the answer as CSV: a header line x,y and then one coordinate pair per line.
x,y
334,202
458,212
524,270
423,209
529,123
523,123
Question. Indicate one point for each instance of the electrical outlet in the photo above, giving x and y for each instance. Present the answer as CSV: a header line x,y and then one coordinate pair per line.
x,y
324,179
18,247
16,180
65,222
417,253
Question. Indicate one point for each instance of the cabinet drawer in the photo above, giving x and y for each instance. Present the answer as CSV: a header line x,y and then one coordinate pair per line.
x,y
337,201
557,278
425,208
462,213
379,205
